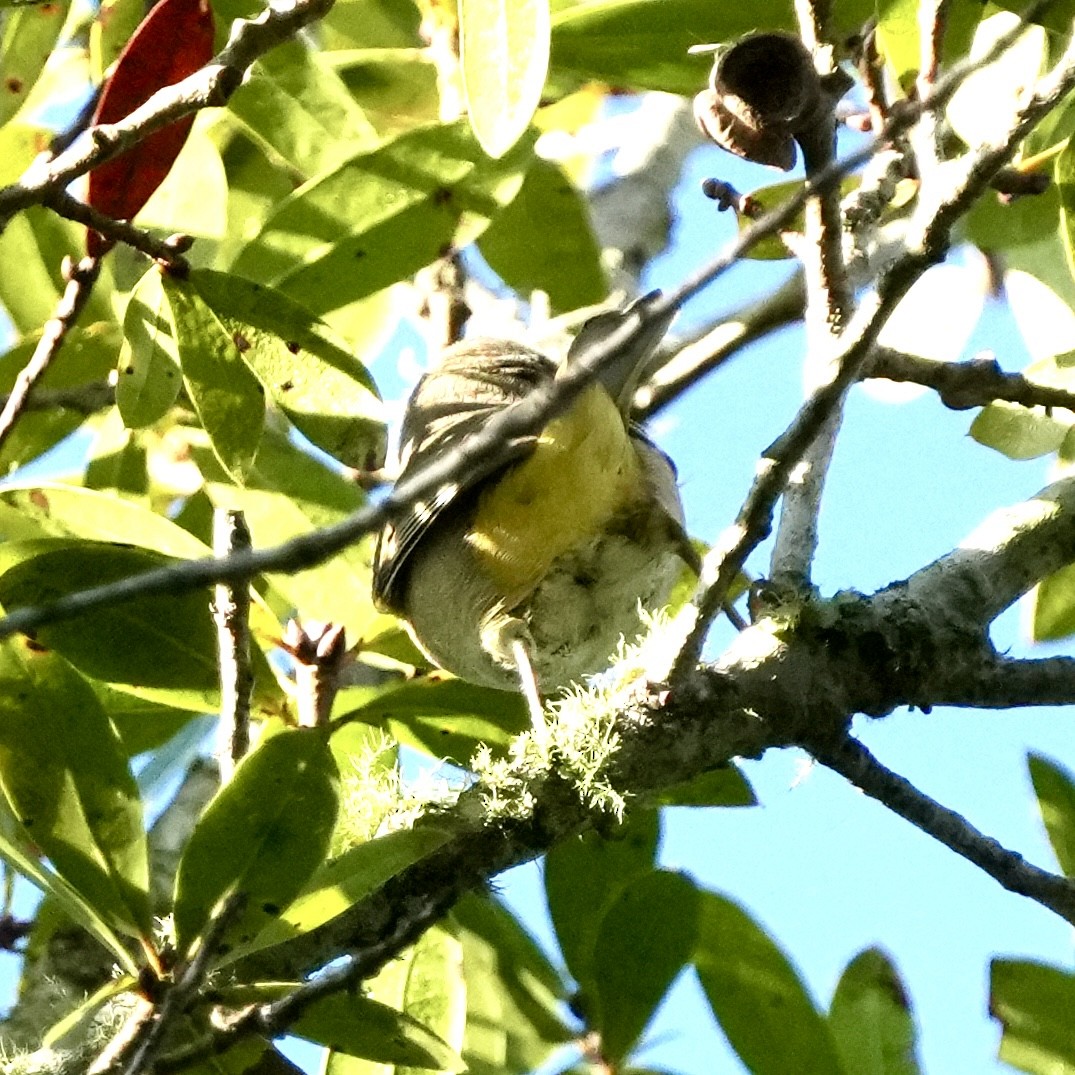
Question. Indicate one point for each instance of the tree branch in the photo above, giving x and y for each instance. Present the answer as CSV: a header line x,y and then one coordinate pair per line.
x,y
852,760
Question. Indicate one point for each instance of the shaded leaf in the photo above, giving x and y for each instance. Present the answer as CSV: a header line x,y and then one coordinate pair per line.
x,y
228,397
345,880
647,936
309,373
27,38
263,835
448,718
295,104
504,53
1033,1004
174,41
585,875
1064,175
871,1018
88,355
350,1023
20,853
1055,788
397,87
115,22
757,996
726,786
164,642
543,241
65,776
513,994
148,375
382,215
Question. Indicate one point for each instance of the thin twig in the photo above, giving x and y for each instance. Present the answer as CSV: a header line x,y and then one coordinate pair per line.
x,y
961,385
852,760
320,652
170,251
80,280
231,612
829,303
710,349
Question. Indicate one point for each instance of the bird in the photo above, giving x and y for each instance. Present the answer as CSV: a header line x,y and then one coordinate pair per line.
x,y
530,577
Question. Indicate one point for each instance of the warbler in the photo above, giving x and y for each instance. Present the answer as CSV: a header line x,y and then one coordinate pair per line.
x,y
532,576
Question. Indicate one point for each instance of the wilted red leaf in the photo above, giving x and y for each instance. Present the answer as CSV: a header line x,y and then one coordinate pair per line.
x,y
174,41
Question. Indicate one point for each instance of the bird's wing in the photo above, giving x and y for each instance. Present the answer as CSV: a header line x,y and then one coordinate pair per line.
x,y
475,381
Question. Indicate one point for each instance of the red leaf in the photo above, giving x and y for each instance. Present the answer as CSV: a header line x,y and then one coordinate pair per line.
x,y
174,40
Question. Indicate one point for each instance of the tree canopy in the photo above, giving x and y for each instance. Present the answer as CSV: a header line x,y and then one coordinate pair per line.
x,y
232,236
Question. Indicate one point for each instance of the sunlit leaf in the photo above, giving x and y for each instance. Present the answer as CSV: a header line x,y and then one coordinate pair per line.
x,y
174,40
504,51
293,102
1055,788
262,837
227,396
871,1018
148,375
27,37
1033,1004
64,773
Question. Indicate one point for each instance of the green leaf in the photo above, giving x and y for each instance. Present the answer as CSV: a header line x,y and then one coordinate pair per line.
x,y
113,25
289,492
1055,788
646,938
20,143
52,509
1018,432
88,355
871,1018
640,44
504,52
297,106
20,853
448,718
141,724
396,87
543,241
514,996
27,38
307,371
1033,1004
585,875
148,374
345,880
382,215
227,396
757,997
164,642
263,835
726,786
1064,176
65,775
425,982
351,1023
